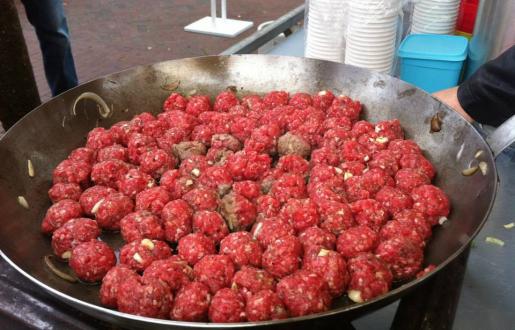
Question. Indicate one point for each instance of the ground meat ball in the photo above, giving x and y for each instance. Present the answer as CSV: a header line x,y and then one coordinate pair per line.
x,y
122,130
83,155
198,104
175,102
225,141
187,149
60,213
408,179
415,219
99,138
369,277
133,182
345,106
386,161
191,303
138,144
304,293
390,129
179,119
149,298
202,199
327,174
293,164
325,156
253,102
224,101
264,139
114,151
400,148
282,256
242,127
215,271
393,199
396,228
276,98
193,166
265,305
369,212
402,256
153,199
155,128
60,191
141,224
111,283
375,179
71,171
218,156
301,100
354,189
170,137
300,213
211,224
91,196
71,234
216,177
242,248
239,212
355,240
269,178
323,100
323,191
288,186
431,201
269,230
342,123
108,172
350,169
141,253
194,247
353,151
419,162
176,185
336,217
249,281
315,236
112,209
267,207
227,306
173,271
155,162
251,190
248,165
92,260
330,265
291,144
335,138
177,220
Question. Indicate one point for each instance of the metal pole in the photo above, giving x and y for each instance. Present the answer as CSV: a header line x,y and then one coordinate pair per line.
x,y
224,9
213,11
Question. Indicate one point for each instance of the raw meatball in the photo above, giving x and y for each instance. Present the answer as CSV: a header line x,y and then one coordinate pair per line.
x,y
264,139
276,98
83,155
353,151
108,172
393,199
215,271
350,169
239,212
115,151
325,156
111,283
191,303
60,191
270,230
139,144
323,100
198,104
330,265
134,182
301,100
300,213
406,230
155,128
60,213
72,171
291,144
400,148
249,281
173,271
153,199
177,220
202,199
92,260
193,166
211,224
416,220
175,102
170,137
265,305
403,257
251,190
92,196
242,248
336,217
356,240
71,234
369,212
111,209
145,298
345,106
431,201
293,164
227,306
187,149
288,186
408,179
176,185
216,177
267,207
194,247
141,224
373,180
390,129
282,256
419,162
303,293
99,138
248,165
315,236
369,277
141,253
224,101
179,119
386,161
225,141
155,162
323,192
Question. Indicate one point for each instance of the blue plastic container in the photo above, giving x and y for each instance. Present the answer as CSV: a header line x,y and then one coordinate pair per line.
x,y
431,61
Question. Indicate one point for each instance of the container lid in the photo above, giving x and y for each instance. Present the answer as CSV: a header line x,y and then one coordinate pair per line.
x,y
434,47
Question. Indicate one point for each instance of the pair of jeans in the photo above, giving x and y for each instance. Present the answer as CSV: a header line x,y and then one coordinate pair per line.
x,y
49,21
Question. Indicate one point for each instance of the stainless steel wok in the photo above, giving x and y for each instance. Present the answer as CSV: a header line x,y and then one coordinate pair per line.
x,y
50,132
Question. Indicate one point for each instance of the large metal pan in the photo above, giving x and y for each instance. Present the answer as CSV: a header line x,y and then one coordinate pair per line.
x,y
50,132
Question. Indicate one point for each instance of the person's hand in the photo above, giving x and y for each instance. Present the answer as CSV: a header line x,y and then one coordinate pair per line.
x,y
450,97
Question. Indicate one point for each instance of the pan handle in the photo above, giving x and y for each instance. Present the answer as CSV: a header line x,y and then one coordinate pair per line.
x,y
502,137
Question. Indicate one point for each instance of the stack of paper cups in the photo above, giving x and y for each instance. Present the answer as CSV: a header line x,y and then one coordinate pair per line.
x,y
325,34
372,34
435,16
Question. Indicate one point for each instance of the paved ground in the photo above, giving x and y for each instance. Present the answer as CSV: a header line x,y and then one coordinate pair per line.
x,y
111,35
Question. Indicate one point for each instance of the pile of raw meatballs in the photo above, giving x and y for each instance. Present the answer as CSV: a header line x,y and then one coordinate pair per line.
x,y
246,209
